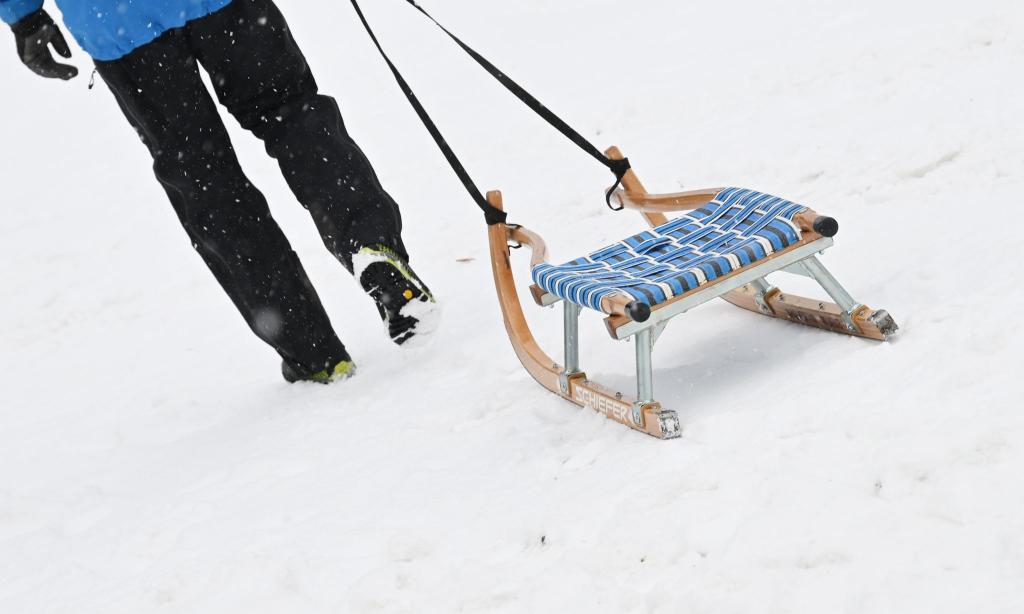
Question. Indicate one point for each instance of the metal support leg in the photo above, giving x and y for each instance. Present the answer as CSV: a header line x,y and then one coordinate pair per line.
x,y
763,288
571,325
644,373
834,289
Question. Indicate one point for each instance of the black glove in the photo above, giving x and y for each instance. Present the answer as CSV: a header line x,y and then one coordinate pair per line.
x,y
34,35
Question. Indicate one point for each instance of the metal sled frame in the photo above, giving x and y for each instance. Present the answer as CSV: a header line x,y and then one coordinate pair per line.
x,y
745,287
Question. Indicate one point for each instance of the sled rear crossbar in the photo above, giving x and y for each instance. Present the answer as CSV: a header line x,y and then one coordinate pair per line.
x,y
723,246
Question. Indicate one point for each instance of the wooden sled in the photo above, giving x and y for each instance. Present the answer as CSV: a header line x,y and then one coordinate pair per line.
x,y
632,313
722,246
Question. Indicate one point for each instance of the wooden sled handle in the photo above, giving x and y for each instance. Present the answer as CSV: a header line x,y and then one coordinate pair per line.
x,y
537,362
636,197
636,190
664,203
538,249
654,206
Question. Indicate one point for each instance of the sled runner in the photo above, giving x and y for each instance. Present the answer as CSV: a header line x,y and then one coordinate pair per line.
x,y
723,244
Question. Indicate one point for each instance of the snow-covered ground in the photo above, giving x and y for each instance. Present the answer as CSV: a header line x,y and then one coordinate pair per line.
x,y
152,460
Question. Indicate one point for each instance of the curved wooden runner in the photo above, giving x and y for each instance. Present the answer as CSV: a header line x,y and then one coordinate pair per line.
x,y
654,420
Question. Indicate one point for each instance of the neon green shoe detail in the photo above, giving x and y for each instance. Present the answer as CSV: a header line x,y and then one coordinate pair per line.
x,y
341,371
380,253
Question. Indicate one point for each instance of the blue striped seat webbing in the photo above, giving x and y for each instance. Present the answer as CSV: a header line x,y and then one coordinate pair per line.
x,y
735,229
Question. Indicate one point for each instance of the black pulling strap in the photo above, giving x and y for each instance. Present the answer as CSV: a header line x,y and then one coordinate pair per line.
x,y
618,167
492,214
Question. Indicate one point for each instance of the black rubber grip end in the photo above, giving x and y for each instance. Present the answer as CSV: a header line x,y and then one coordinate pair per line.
x,y
638,312
826,226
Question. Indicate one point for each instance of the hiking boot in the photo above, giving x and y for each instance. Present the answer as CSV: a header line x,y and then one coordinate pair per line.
x,y
405,303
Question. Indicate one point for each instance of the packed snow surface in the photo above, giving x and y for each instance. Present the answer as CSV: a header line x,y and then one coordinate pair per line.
x,y
152,459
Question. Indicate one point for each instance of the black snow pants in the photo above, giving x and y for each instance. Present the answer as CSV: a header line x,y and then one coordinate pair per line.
x,y
262,78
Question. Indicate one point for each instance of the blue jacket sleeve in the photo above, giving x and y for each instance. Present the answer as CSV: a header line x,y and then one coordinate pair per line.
x,y
12,11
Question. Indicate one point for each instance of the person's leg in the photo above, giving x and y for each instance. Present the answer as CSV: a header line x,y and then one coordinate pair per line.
x,y
159,89
262,78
